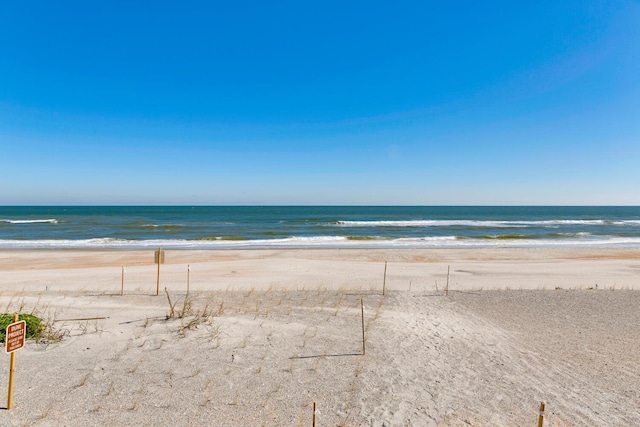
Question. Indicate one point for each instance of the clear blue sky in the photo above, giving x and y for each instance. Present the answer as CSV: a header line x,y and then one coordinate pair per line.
x,y
320,102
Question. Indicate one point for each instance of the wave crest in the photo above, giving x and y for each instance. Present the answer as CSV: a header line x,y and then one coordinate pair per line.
x,y
29,221
481,223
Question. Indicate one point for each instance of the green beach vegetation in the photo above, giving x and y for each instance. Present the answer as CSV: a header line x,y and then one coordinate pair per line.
x,y
35,325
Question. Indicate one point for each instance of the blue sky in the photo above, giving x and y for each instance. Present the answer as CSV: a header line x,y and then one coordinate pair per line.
x,y
304,102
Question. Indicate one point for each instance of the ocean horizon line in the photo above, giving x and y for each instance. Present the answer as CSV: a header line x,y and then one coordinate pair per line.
x,y
303,205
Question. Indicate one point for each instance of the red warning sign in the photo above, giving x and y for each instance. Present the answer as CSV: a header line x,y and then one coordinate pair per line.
x,y
16,334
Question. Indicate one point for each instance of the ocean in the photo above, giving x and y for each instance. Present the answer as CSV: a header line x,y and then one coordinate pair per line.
x,y
228,227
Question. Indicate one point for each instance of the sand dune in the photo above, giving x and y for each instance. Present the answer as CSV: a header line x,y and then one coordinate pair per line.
x,y
267,333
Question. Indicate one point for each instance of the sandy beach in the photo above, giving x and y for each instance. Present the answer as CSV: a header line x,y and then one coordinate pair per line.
x,y
263,334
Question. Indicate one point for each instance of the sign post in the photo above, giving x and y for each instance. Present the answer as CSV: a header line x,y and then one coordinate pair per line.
x,y
159,259
14,340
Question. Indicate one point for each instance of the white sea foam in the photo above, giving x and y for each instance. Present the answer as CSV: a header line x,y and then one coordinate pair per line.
x,y
427,223
29,221
321,242
581,234
472,223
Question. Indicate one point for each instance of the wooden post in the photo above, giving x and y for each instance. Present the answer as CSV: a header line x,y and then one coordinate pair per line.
x,y
122,282
314,414
446,290
159,259
171,312
541,417
188,277
384,281
12,368
158,280
362,316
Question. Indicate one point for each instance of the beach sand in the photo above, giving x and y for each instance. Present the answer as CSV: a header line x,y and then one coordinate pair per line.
x,y
266,333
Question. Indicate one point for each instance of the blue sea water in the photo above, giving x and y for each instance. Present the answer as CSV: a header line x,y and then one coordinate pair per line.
x,y
211,227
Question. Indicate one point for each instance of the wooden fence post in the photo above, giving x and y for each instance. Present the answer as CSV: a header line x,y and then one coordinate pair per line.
x,y
188,277
446,290
384,280
314,414
362,316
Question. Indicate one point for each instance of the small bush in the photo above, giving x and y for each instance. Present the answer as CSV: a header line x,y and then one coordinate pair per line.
x,y
35,326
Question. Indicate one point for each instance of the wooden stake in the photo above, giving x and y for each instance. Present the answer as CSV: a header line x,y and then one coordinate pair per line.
x,y
362,313
314,414
384,281
122,282
188,277
171,312
541,417
12,368
159,259
446,290
80,318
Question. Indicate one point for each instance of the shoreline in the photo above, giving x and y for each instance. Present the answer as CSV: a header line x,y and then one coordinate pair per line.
x,y
404,254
